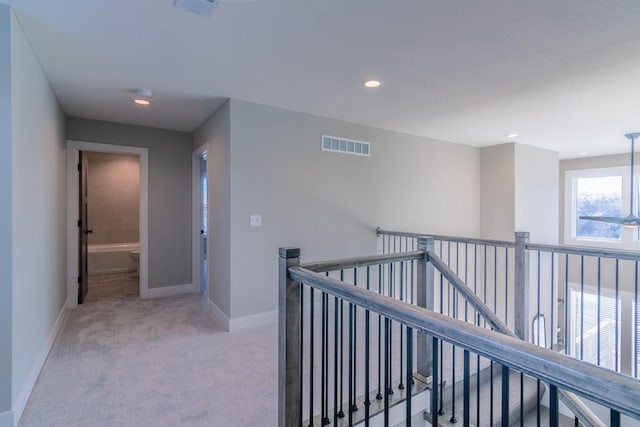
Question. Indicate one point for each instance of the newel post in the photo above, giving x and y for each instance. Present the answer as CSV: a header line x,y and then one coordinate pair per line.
x,y
521,297
425,299
289,356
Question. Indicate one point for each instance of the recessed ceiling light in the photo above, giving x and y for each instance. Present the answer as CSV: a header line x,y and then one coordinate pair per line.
x,y
582,153
371,84
512,135
141,101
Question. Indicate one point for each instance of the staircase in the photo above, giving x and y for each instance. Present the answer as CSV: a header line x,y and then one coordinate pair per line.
x,y
522,388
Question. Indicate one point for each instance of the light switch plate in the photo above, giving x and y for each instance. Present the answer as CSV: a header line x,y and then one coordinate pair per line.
x,y
255,220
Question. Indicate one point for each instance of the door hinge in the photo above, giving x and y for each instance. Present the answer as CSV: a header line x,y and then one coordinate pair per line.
x,y
79,166
79,223
79,280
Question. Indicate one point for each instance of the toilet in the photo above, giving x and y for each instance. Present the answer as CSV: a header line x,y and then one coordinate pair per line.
x,y
135,255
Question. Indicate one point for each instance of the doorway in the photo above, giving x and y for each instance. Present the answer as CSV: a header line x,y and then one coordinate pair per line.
x,y
200,222
107,232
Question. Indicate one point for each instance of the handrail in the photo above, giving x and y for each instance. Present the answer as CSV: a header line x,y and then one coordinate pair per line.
x,y
616,391
583,250
471,240
584,414
345,263
488,315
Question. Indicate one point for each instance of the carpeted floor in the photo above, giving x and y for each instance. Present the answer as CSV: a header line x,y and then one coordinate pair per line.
x,y
159,362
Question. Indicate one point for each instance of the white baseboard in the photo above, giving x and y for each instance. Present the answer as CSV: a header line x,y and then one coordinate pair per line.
x,y
23,396
167,291
251,321
218,315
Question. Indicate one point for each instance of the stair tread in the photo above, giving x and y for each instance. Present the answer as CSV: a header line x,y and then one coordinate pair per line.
x,y
529,398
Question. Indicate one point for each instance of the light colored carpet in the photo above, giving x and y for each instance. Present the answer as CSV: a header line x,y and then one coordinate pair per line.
x,y
160,362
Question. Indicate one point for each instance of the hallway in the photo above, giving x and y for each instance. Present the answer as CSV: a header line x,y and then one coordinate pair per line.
x,y
160,362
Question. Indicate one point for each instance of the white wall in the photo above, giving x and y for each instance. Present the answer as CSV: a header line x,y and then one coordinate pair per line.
x,y
536,193
329,204
38,210
215,133
6,416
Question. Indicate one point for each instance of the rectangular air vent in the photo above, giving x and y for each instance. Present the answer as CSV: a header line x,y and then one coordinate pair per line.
x,y
199,7
347,146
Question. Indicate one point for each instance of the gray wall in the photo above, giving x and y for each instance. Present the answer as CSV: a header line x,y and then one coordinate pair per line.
x,y
215,133
169,192
5,216
497,204
329,204
39,212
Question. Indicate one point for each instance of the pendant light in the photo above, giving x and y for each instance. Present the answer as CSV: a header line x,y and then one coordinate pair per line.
x,y
630,221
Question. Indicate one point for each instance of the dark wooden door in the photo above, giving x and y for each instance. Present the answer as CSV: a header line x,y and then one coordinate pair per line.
x,y
83,231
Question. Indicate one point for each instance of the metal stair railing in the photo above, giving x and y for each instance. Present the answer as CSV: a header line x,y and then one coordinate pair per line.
x,y
426,329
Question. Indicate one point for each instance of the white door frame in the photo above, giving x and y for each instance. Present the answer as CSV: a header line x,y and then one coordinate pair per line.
x,y
73,149
196,268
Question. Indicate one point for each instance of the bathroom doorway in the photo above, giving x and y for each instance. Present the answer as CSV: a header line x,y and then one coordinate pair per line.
x,y
107,228
110,234
200,222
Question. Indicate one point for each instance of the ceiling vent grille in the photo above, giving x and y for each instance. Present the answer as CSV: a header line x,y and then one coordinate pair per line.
x,y
199,7
346,146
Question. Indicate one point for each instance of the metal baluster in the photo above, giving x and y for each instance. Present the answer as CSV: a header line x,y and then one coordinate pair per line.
x,y
521,399
477,317
554,416
581,307
389,352
552,332
341,412
615,418
311,351
598,314
485,279
466,390
354,405
617,342
323,360
335,360
478,381
505,396
387,385
301,346
409,375
506,285
441,409
495,279
635,325
351,392
367,369
538,397
379,394
466,273
538,306
434,383
401,385
453,364
566,304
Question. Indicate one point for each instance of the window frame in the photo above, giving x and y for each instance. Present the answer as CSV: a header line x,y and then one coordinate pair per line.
x,y
628,237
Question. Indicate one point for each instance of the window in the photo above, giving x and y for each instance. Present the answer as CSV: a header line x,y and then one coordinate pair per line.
x,y
597,192
585,338
598,196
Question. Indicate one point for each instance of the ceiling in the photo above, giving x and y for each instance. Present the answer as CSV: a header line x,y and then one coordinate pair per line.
x,y
563,75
